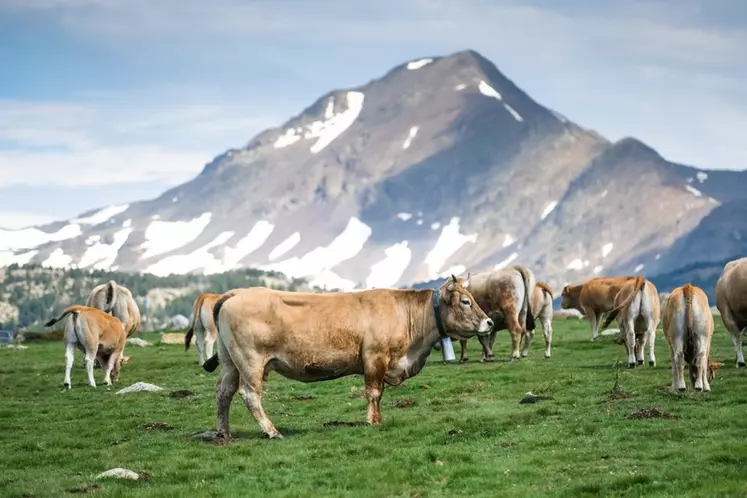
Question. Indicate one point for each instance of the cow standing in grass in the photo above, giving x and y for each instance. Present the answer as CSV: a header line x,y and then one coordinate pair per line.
x,y
385,335
593,298
542,310
202,326
98,334
637,312
731,301
688,327
116,300
505,295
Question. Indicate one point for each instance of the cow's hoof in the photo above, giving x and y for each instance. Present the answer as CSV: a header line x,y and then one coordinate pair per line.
x,y
681,389
699,389
66,385
740,364
640,362
547,355
524,355
593,339
275,435
463,360
631,365
652,364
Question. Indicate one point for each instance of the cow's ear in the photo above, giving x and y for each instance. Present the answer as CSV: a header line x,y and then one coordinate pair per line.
x,y
465,284
450,284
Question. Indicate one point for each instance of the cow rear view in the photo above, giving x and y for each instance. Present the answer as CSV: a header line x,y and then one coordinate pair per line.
x,y
688,327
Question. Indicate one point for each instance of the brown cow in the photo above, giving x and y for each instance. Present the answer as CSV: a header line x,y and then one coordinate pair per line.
x,y
98,334
688,327
202,325
505,295
542,309
383,334
636,308
731,301
593,298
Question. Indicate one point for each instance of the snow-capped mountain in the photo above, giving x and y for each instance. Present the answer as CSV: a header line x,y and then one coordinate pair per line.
x,y
441,165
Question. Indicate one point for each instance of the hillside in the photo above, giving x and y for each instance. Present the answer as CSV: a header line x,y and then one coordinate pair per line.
x,y
440,165
30,294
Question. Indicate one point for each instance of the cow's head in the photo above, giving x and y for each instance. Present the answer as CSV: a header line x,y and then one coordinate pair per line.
x,y
712,367
569,296
462,316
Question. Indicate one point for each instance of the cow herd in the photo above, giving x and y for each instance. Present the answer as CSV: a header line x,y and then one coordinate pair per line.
x,y
386,335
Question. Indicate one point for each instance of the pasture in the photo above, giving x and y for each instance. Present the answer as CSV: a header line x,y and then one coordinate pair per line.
x,y
453,430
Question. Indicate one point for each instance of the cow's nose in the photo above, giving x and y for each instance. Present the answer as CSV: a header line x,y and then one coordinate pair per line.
x,y
490,323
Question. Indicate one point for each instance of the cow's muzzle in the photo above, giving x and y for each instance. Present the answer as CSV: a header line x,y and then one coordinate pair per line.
x,y
486,326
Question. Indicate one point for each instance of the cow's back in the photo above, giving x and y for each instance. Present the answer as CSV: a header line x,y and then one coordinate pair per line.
x,y
599,294
731,290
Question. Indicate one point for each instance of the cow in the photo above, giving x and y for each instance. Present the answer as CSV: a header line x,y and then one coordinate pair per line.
x,y
505,295
202,325
118,301
542,310
636,308
98,334
731,302
688,328
593,298
384,334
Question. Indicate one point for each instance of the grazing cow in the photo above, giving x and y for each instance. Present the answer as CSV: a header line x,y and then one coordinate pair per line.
x,y
202,325
505,295
98,334
688,327
731,301
118,301
636,308
383,334
542,309
593,298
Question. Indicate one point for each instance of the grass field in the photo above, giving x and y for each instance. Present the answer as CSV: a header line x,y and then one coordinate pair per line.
x,y
453,430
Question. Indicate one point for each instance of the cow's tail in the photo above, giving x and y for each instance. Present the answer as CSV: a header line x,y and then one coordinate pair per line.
x,y
640,283
528,291
110,296
687,293
195,316
78,325
61,317
212,363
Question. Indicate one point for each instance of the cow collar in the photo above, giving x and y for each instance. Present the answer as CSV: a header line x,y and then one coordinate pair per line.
x,y
437,311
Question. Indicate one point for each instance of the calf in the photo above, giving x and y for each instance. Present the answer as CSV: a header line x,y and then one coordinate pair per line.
x,y
593,298
731,301
688,327
637,312
542,309
385,335
202,325
505,295
96,333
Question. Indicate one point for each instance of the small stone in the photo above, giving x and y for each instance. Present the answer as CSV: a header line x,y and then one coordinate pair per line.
x,y
139,387
136,341
119,473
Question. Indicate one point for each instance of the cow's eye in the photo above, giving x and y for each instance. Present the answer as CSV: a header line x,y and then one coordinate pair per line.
x,y
466,302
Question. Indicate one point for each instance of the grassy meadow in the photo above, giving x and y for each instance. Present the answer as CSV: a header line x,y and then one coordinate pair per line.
x,y
453,430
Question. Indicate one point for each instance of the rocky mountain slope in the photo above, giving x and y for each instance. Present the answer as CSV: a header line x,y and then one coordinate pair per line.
x,y
442,164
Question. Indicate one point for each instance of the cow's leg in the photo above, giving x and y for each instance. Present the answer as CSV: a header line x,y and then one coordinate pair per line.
x,y
228,384
515,329
109,365
736,335
69,360
200,340
593,322
626,327
528,337
463,353
252,394
678,365
640,342
487,341
651,335
209,343
90,358
547,329
116,367
373,375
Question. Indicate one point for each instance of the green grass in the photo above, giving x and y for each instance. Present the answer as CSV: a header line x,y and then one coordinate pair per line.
x,y
464,432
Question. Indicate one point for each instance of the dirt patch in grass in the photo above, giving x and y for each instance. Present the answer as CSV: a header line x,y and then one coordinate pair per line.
x,y
302,397
621,395
181,393
404,403
455,432
342,423
85,489
652,412
157,426
529,400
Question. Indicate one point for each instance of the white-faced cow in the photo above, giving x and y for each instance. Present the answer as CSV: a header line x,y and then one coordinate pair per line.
x,y
383,334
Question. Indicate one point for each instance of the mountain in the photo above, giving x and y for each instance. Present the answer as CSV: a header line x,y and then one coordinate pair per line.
x,y
442,164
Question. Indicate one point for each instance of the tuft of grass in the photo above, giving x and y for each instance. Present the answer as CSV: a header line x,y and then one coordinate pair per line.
x,y
453,430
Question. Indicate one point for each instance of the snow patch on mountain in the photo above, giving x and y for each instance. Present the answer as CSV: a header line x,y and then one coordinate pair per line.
x,y
418,64
606,249
410,136
285,246
102,256
28,238
488,90
248,244
449,242
388,271
101,215
165,236
548,209
508,240
58,259
515,114
201,258
506,261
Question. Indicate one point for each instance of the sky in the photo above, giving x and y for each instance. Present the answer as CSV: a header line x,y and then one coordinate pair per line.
x,y
112,101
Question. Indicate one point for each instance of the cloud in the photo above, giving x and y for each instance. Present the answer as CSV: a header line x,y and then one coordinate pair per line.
x,y
16,219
